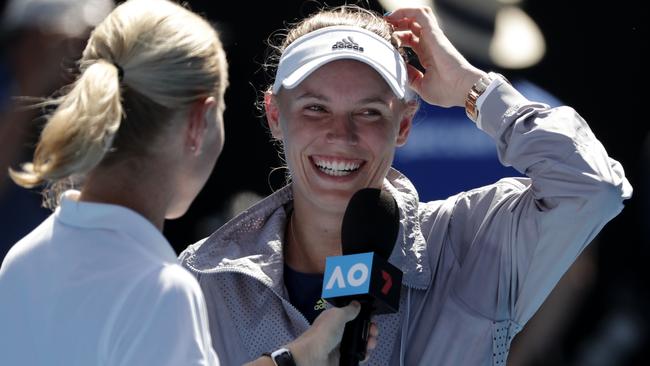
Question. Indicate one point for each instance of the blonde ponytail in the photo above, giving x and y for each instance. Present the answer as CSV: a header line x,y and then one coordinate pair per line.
x,y
168,56
81,130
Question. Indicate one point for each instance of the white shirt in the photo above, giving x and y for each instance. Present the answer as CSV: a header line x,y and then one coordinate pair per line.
x,y
98,284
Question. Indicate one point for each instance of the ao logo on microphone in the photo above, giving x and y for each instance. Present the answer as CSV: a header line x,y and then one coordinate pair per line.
x,y
351,275
357,275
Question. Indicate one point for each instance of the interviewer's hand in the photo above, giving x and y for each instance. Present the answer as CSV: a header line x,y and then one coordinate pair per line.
x,y
448,76
319,345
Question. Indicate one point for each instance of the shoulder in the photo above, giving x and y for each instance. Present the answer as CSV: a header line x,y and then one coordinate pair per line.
x,y
468,209
474,199
474,207
190,250
26,249
167,297
164,289
173,284
251,233
494,193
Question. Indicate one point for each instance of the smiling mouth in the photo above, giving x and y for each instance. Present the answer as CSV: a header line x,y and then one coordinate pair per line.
x,y
337,167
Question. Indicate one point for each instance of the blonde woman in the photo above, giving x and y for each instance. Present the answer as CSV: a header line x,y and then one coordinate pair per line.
x,y
97,283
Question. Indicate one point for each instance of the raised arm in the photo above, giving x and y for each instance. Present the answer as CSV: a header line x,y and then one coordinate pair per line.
x,y
517,237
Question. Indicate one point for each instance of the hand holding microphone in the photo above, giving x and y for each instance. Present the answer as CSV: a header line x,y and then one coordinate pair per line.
x,y
362,273
318,345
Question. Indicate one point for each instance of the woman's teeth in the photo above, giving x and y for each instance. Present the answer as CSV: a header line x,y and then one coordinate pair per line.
x,y
337,168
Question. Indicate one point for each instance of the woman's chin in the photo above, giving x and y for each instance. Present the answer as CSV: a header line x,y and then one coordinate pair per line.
x,y
177,211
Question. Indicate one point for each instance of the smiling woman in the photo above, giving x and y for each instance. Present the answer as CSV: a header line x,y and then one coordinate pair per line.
x,y
339,132
476,265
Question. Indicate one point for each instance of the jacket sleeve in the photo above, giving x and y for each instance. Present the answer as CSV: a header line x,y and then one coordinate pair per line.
x,y
513,240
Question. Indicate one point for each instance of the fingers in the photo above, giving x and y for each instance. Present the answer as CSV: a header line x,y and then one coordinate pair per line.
x,y
416,27
407,39
445,67
372,336
373,333
407,24
414,19
374,330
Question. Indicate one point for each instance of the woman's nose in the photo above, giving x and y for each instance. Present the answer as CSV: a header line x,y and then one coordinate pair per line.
x,y
342,130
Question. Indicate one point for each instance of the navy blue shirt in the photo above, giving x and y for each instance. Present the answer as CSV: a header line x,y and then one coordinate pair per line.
x,y
305,292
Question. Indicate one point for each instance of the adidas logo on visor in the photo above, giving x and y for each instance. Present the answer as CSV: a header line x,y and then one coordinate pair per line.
x,y
347,43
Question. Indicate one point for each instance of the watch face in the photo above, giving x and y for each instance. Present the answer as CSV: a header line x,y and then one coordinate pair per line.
x,y
283,357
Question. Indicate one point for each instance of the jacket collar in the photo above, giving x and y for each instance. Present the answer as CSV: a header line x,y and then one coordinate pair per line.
x,y
251,243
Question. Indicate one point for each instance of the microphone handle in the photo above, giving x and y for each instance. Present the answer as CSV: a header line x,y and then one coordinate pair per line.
x,y
355,337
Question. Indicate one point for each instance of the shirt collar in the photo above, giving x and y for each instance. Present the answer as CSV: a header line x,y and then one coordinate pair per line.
x,y
93,215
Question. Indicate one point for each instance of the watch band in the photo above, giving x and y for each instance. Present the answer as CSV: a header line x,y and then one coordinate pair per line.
x,y
475,92
281,357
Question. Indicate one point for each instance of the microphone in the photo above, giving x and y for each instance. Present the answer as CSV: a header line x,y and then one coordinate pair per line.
x,y
362,273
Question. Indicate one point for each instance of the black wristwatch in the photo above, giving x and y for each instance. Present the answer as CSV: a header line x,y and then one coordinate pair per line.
x,y
281,357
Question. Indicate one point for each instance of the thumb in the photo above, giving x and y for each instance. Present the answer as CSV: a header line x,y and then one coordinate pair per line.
x,y
415,77
350,311
322,338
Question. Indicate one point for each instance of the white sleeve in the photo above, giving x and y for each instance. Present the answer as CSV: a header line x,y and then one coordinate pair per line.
x,y
515,239
164,321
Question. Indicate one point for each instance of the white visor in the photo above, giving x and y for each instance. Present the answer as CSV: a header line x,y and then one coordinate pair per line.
x,y
315,49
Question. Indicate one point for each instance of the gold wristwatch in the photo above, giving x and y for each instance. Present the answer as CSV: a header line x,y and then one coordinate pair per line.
x,y
475,92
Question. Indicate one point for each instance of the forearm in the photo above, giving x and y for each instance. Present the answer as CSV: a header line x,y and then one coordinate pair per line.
x,y
299,349
262,361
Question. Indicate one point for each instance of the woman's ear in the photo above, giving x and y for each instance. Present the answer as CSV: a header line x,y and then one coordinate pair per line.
x,y
197,125
273,115
405,124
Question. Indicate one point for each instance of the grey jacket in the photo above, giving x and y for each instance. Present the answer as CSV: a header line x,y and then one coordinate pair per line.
x,y
476,266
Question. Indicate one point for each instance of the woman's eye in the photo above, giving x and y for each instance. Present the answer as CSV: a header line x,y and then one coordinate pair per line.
x,y
315,108
370,114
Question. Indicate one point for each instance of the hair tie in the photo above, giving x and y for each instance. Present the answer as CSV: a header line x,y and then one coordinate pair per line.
x,y
120,71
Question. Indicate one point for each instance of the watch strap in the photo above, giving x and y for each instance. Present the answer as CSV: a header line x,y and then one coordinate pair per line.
x,y
281,357
471,107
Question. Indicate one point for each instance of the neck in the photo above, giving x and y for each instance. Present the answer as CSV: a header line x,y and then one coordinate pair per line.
x,y
130,184
312,236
